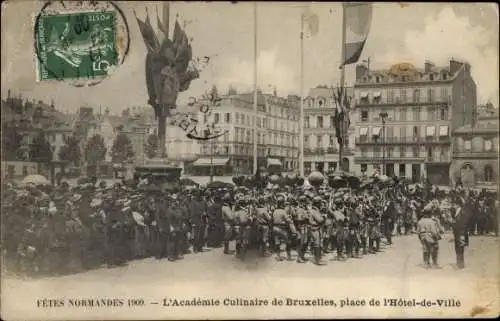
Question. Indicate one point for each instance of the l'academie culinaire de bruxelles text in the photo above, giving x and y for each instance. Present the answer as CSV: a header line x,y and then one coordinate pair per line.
x,y
200,302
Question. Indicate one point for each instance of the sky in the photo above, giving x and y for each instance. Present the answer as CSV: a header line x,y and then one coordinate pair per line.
x,y
400,32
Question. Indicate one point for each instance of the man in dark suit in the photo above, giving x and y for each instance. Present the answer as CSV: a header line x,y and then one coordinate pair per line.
x,y
460,231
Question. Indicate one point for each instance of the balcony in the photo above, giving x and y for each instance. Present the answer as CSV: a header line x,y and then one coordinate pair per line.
x,y
387,160
364,102
437,159
492,154
366,140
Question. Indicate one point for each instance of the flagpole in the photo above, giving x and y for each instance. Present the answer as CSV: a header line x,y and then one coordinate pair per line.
x,y
255,149
162,119
342,81
301,119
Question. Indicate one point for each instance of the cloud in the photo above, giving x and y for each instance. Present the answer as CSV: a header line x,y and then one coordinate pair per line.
x,y
448,35
271,72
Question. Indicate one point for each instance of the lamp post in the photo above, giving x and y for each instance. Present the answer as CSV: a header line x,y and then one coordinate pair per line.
x,y
383,116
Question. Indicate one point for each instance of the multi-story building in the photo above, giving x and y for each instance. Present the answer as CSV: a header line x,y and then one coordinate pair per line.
x,y
276,123
405,115
321,150
475,151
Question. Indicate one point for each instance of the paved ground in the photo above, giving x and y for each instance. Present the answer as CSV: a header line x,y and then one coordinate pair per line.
x,y
394,273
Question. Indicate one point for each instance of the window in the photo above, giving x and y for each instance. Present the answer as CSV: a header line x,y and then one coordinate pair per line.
x,y
416,95
216,118
389,132
306,122
443,114
444,94
319,141
309,103
320,122
331,140
226,150
346,141
307,167
467,145
431,112
488,145
488,173
389,152
431,76
445,76
332,166
402,114
402,133
363,151
415,151
376,151
416,131
364,115
416,113
321,103
332,122
390,96
429,153
403,94
228,118
306,141
402,170
430,94
402,151
25,170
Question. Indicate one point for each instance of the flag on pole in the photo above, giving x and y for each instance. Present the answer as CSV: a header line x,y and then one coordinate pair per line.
x,y
148,34
357,20
311,22
341,117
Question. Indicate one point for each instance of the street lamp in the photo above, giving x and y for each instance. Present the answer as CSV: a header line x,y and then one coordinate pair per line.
x,y
383,116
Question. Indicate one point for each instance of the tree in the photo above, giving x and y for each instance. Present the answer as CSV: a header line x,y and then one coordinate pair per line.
x,y
152,145
40,149
122,151
95,150
11,142
70,151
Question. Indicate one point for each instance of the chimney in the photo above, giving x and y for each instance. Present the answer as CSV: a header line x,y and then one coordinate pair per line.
x,y
455,66
428,66
361,71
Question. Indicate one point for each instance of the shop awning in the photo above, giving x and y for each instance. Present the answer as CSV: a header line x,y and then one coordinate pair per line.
x,y
363,131
376,131
430,131
273,162
376,94
364,94
210,162
443,130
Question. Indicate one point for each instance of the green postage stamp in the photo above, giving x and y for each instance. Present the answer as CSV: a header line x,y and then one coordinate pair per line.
x,y
81,46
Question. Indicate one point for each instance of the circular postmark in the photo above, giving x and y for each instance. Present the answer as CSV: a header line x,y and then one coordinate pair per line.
x,y
80,42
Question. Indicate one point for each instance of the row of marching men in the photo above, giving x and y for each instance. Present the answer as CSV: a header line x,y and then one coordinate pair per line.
x,y
312,221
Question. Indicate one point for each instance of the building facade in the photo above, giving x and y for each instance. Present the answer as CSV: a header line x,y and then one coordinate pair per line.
x,y
475,151
276,123
321,149
405,115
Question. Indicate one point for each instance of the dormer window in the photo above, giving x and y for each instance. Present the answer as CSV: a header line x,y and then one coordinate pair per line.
x,y
431,77
377,79
445,76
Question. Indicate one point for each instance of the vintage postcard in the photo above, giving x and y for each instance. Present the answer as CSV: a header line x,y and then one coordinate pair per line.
x,y
249,160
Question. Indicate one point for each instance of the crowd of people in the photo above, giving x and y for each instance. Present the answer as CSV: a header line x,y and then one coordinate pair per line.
x,y
65,229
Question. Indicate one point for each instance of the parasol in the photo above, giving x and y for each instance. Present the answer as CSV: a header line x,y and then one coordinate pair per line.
x,y
219,184
36,180
83,180
188,182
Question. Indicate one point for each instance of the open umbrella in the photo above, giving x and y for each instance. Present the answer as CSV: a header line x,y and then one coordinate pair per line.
x,y
219,184
83,180
188,182
35,180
